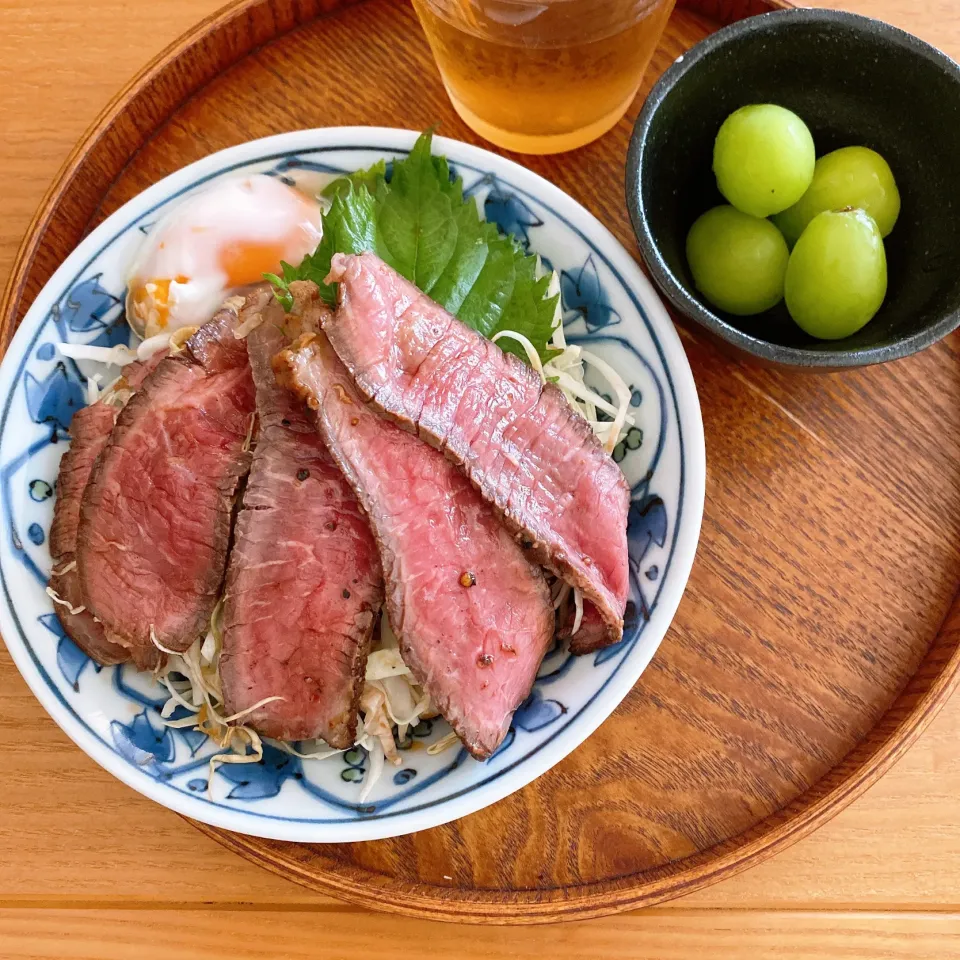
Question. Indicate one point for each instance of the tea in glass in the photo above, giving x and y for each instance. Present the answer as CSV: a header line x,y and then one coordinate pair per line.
x,y
542,76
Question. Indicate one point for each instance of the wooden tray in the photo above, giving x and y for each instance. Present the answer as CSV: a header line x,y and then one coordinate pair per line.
x,y
818,635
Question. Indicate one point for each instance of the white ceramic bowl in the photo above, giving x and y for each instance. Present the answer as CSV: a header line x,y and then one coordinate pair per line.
x,y
112,713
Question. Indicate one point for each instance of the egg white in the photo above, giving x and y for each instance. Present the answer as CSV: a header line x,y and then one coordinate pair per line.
x,y
180,274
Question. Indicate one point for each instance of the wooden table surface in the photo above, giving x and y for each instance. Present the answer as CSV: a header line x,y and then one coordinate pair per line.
x,y
90,869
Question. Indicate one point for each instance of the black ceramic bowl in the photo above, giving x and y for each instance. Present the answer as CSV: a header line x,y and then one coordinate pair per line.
x,y
854,81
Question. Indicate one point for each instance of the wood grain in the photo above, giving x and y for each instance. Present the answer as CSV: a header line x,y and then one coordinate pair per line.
x,y
902,882
661,934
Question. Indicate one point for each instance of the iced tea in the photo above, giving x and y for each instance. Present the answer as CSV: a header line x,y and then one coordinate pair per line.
x,y
547,76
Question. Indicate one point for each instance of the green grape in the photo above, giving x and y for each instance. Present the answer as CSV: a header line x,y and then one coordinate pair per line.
x,y
763,158
849,177
837,275
737,261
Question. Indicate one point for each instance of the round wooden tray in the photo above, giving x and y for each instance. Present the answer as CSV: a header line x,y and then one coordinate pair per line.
x,y
818,634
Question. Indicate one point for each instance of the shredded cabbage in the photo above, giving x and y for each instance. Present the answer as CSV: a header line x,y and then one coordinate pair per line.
x,y
390,698
56,598
153,345
528,347
321,753
248,325
566,370
116,393
444,743
623,398
117,356
93,389
386,662
375,752
578,606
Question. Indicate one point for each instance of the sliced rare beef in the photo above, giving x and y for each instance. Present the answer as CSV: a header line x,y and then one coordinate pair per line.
x,y
156,514
303,584
472,613
591,634
90,431
519,441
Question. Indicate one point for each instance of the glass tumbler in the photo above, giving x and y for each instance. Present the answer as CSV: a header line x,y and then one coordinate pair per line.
x,y
542,76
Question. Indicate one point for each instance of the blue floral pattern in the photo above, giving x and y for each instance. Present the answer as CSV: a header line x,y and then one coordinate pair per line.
x,y
583,294
506,208
55,398
120,707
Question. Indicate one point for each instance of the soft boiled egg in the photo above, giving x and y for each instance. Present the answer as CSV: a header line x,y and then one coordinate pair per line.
x,y
214,242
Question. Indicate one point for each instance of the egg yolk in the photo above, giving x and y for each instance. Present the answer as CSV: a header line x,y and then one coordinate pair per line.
x,y
244,262
151,301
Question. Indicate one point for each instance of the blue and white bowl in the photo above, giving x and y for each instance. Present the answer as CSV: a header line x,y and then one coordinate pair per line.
x,y
113,713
